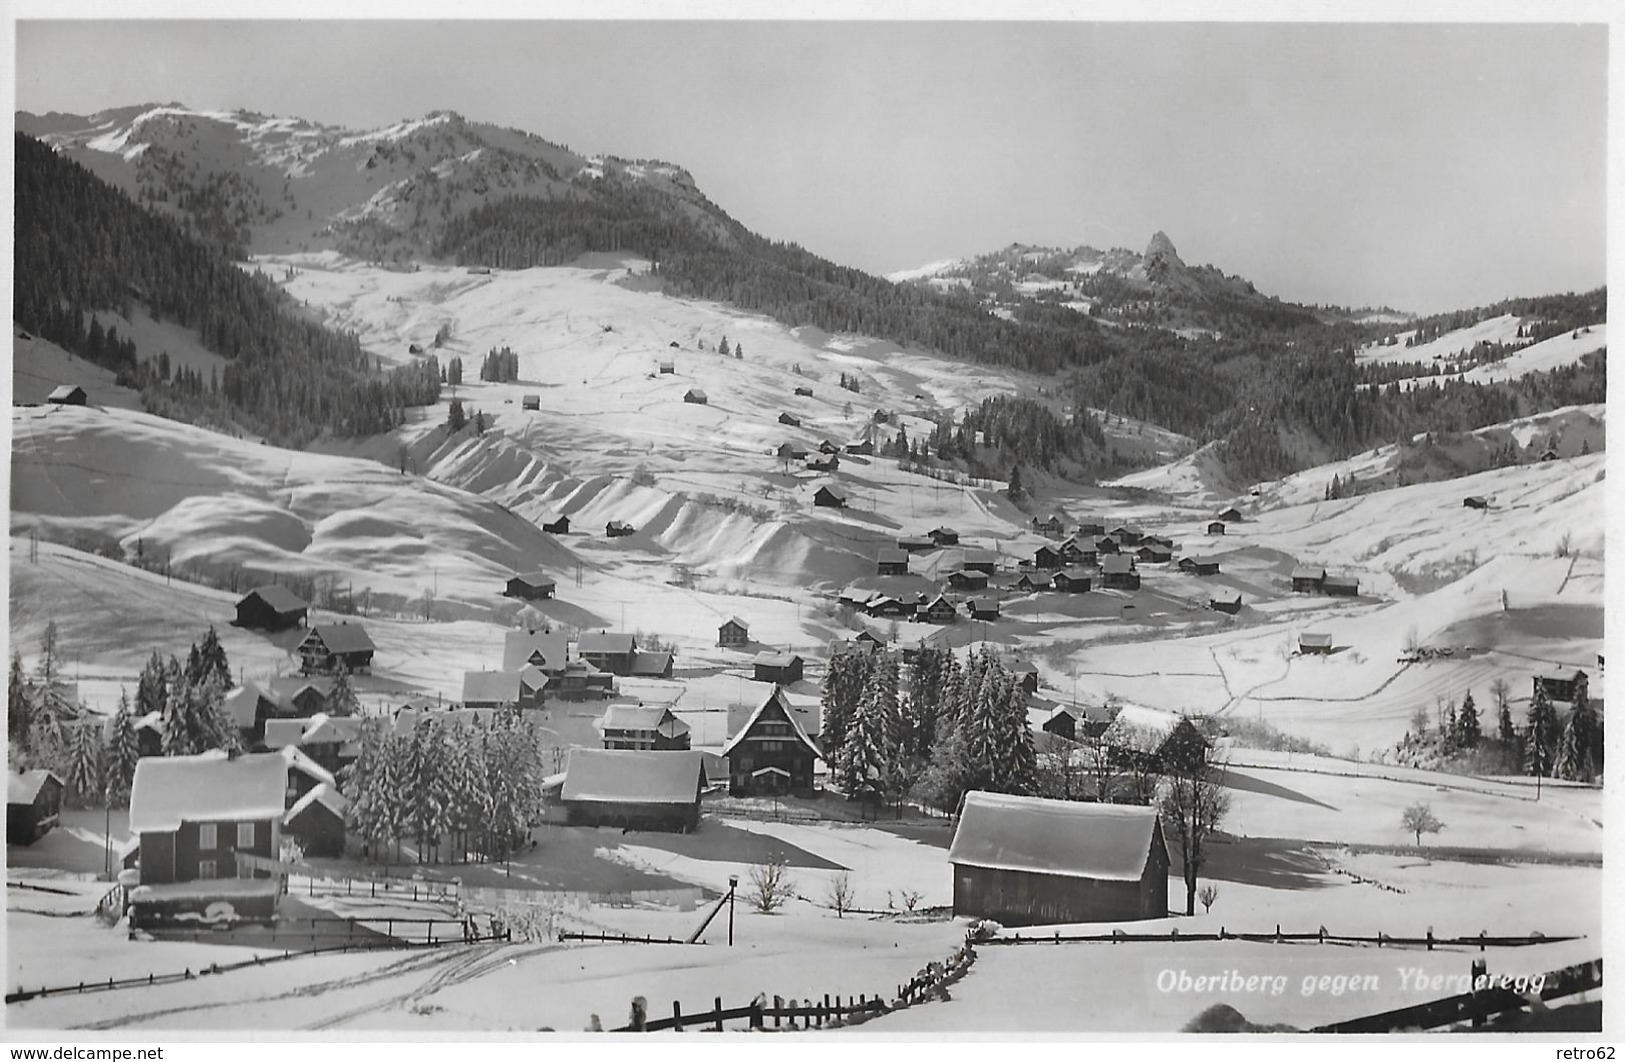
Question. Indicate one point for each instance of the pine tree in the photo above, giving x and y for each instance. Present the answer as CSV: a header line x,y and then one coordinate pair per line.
x,y
1503,712
1579,751
1468,732
722,347
123,752
868,761
19,706
843,686
84,766
212,660
342,699
1017,490
1541,735
46,668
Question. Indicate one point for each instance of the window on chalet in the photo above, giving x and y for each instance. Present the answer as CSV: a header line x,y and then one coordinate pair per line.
x,y
208,838
245,835
206,870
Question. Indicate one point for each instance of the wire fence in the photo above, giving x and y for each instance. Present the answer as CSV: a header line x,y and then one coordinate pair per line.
x,y
1320,936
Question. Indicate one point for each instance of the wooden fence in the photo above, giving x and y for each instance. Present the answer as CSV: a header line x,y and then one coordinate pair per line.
x,y
683,897
320,881
621,938
1474,1007
1321,936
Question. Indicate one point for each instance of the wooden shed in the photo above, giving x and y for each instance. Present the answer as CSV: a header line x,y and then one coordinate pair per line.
x,y
532,586
1341,586
1199,565
983,608
1024,861
271,608
944,536
1072,581
782,669
67,395
561,526
892,561
829,497
1215,527
1312,644
1117,573
530,402
1225,601
33,805
695,396
1307,578
643,790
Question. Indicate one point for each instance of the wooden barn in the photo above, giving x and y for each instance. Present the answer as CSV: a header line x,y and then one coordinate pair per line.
x,y
733,632
1225,601
633,789
1026,674
194,816
1047,557
824,463
533,403
330,644
770,753
983,608
1125,536
1307,578
1031,581
938,610
1024,861
1106,546
1215,527
1163,740
316,821
33,805
1199,565
618,529
978,560
1230,515
606,651
648,727
695,396
792,421
667,368
804,391
1063,722
916,543
1314,644
1091,529
891,561
271,608
830,498
782,669
870,638
861,448
1072,581
649,663
1340,586
1051,526
503,689
532,586
561,526
1078,551
944,536
967,580
68,395
1117,573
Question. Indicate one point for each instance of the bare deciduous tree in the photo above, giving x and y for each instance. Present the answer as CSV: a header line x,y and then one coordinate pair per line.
x,y
1192,805
841,893
1419,819
771,887
1207,894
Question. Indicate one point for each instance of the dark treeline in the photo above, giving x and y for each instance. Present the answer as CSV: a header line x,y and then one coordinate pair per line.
x,y
84,246
1553,315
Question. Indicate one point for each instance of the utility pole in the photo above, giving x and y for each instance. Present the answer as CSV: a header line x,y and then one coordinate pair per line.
x,y
733,886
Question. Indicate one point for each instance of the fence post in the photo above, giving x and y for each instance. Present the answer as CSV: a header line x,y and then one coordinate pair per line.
x,y
640,1014
1430,938
718,1013
778,1005
1482,933
1479,969
823,1014
676,1016
756,1013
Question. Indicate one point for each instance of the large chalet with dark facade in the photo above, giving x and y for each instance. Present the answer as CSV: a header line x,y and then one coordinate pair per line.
x,y
271,608
647,727
770,754
330,644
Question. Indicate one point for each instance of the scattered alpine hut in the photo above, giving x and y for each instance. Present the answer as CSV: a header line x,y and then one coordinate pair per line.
x,y
652,728
1024,861
1563,685
531,586
1031,581
1228,601
983,608
1153,554
1307,578
967,580
503,689
892,561
1051,526
607,652
916,543
1072,581
695,396
271,608
770,753
1341,586
861,448
1475,501
618,529
1314,644
938,610
561,526
790,420
633,789
1231,515
530,403
67,395
781,669
330,644
824,463
668,367
944,536
1162,740
1215,527
194,816
1199,565
33,805
1047,557
804,391
830,497
733,632
1117,573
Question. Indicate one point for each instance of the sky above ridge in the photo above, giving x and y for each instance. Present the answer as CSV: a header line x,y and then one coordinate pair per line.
x,y
1424,167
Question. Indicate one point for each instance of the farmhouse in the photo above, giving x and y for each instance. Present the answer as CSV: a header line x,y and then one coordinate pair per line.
x,y
892,561
67,395
780,668
785,418
967,580
271,608
1072,581
695,396
1225,601
1341,586
304,773
862,448
332,741
561,526
649,727
331,644
977,560
1047,557
1311,644
1160,739
1157,540
1215,527
579,680
944,536
1117,573
1563,685
1106,546
618,529
194,816
300,696
733,631
534,586
1024,861
1035,581
1126,536
1078,551
983,608
607,652
532,403
1307,578
826,463
1230,515
541,649
1199,565
642,789
1063,722
870,638
1091,529
1154,554
1051,526
939,610
828,448
916,543
503,689
316,821
770,753
829,497
33,805
648,663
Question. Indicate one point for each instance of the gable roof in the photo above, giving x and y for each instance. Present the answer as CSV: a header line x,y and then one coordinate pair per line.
x,y
62,391
833,492
279,598
892,555
649,662
535,579
342,637
628,776
604,642
518,647
298,761
499,686
23,787
322,728
242,704
1308,571
772,658
1342,580
1317,640
737,622
1111,842
283,732
655,717
1116,564
208,787
323,795
776,696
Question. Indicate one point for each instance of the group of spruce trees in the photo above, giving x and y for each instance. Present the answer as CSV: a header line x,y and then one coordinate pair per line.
x,y
1544,747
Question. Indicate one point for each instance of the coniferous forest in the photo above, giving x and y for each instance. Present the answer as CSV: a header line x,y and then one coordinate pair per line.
x,y
83,246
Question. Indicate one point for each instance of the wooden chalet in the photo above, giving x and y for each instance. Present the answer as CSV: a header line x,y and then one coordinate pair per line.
x,y
532,586
983,608
1051,526
1231,515
1079,551
1031,581
1117,573
561,526
1340,586
1125,536
1215,527
1091,529
1199,565
792,421
891,561
316,821
782,669
830,497
1307,578
1024,861
330,644
194,815
861,448
1106,546
733,631
648,727
1163,740
67,395
967,580
1157,540
618,529
248,707
916,543
530,648
530,403
1314,644
978,560
648,663
33,805
300,696
633,789
842,646
1562,686
804,391
828,448
938,610
944,536
149,734
1047,557
1072,581
1153,555
271,608
666,368
1063,723
770,753
1475,501
607,652
503,689
332,741
1228,601
870,638
578,680
695,396
1026,674
824,463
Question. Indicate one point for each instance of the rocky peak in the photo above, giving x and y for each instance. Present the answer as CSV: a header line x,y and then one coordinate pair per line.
x,y
1162,247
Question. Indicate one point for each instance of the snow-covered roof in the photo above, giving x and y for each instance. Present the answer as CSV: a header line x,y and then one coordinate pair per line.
x,y
769,658
279,598
533,579
208,787
649,662
298,761
632,777
321,728
283,732
1317,640
604,642
1308,571
658,718
1110,842
1153,720
737,622
23,787
775,697
524,647
242,704
326,795
502,687
342,637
